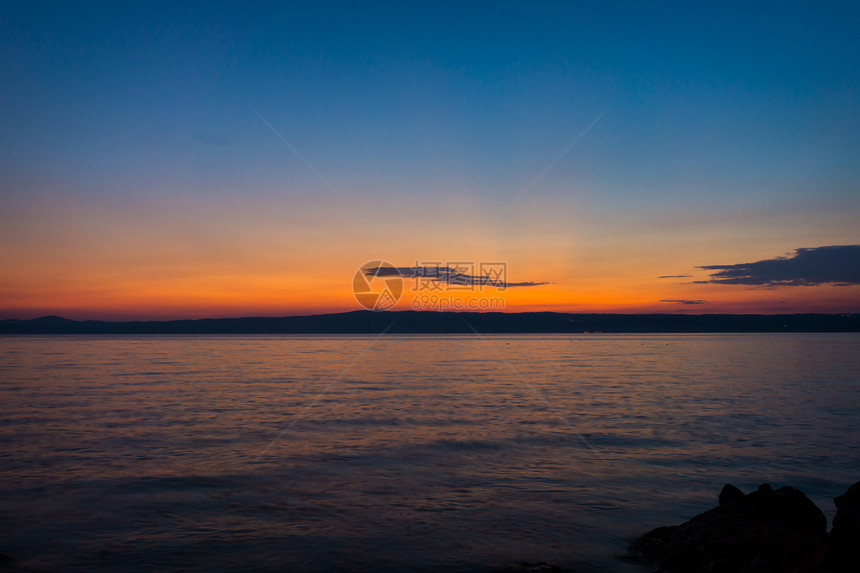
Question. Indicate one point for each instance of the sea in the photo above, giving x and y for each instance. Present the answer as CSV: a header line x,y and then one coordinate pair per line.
x,y
438,453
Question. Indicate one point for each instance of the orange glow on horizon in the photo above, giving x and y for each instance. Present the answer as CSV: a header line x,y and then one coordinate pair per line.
x,y
281,296
186,256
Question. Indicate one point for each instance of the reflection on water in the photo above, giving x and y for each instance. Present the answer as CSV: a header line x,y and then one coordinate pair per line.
x,y
410,452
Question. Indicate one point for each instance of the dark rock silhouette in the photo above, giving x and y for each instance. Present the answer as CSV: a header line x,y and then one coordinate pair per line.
x,y
766,531
843,544
729,494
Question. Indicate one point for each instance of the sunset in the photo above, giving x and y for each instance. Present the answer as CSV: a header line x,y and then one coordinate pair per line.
x,y
340,264
207,162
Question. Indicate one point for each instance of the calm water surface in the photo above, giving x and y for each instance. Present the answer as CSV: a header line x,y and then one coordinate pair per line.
x,y
425,453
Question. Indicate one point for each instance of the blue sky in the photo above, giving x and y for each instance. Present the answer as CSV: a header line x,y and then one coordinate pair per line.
x,y
710,113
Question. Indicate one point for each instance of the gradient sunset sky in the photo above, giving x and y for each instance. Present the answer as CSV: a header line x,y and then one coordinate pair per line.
x,y
170,160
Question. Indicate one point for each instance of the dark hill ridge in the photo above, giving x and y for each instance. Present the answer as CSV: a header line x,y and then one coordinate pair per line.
x,y
414,322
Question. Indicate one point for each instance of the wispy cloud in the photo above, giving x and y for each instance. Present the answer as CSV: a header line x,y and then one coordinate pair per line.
x,y
449,275
837,264
674,276
685,301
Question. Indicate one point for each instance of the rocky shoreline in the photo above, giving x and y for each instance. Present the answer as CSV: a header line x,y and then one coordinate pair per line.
x,y
766,531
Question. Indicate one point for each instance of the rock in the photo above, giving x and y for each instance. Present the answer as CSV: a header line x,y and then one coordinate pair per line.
x,y
767,531
850,499
843,544
729,494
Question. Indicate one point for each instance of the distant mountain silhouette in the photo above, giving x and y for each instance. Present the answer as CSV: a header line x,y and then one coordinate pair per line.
x,y
414,322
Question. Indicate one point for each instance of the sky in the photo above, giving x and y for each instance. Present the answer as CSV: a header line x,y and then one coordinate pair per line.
x,y
182,160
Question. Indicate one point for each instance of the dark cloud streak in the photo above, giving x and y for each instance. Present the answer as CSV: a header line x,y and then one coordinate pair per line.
x,y
837,264
449,276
